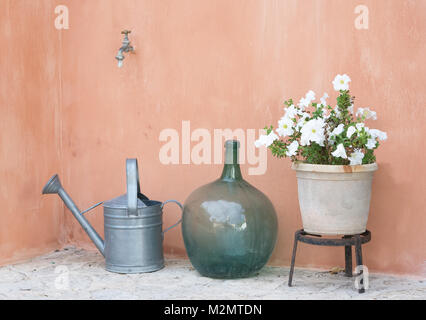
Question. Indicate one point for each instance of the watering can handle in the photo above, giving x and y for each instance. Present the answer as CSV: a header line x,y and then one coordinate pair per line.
x,y
133,186
180,220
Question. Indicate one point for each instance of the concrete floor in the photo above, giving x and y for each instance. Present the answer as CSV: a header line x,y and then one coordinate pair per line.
x,y
79,274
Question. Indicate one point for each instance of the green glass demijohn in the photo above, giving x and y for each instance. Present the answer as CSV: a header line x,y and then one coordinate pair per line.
x,y
229,227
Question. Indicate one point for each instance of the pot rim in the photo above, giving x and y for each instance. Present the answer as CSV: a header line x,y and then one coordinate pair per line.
x,y
329,168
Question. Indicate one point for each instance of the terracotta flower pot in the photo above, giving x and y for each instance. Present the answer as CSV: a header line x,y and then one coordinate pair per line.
x,y
334,199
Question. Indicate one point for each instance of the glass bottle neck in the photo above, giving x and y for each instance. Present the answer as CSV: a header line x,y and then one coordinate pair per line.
x,y
231,169
231,172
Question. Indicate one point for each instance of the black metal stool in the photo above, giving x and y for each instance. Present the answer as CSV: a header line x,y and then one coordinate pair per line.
x,y
347,241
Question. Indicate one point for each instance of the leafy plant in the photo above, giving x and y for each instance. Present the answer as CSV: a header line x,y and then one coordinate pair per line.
x,y
316,133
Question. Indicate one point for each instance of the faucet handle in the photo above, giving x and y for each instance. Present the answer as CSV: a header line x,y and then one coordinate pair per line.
x,y
126,32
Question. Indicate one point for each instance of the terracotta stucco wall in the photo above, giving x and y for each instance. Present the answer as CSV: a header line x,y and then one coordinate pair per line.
x,y
230,64
30,123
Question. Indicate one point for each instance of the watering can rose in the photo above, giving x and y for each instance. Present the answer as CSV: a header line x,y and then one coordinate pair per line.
x,y
316,133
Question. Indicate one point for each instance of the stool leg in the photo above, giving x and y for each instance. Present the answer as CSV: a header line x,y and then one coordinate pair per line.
x,y
348,261
348,258
358,253
293,258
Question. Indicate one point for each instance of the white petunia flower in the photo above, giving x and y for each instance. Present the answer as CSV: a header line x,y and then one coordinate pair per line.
x,y
291,112
266,140
350,132
313,131
285,127
310,95
292,149
366,113
338,130
351,109
340,152
337,111
325,113
302,120
371,143
306,101
356,157
376,133
359,126
341,82
323,99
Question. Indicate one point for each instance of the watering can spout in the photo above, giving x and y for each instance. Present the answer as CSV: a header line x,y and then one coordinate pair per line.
x,y
54,186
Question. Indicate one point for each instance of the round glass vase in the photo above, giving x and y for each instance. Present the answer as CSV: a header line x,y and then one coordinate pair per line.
x,y
229,227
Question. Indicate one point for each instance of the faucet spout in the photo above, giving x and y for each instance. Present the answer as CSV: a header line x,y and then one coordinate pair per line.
x,y
126,47
54,186
120,57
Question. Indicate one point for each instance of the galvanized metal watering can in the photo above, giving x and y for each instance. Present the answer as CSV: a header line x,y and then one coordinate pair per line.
x,y
132,224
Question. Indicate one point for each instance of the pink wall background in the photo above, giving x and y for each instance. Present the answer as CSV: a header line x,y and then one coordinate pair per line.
x,y
30,130
67,108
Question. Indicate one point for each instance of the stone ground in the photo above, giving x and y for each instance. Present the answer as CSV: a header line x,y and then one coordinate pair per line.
x,y
79,274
